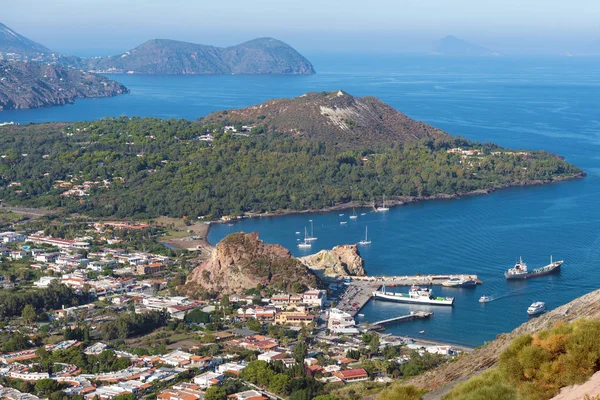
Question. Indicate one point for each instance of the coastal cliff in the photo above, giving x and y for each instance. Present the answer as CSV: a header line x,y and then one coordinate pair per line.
x,y
30,85
340,261
242,261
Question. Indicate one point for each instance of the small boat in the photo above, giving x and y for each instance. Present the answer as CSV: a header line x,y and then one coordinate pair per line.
x,y
421,332
353,216
361,315
297,233
520,271
341,215
485,299
229,224
536,308
312,237
460,282
306,244
383,207
363,213
343,223
366,240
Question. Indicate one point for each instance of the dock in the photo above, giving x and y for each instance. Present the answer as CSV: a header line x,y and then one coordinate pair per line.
x,y
360,288
403,318
409,280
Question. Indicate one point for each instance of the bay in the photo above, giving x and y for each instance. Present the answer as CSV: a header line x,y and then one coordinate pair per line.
x,y
526,103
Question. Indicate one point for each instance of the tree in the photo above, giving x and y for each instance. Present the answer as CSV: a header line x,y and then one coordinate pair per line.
x,y
46,386
300,352
28,314
280,384
215,393
254,325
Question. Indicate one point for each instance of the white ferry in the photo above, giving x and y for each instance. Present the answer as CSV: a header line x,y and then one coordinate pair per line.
x,y
536,308
416,295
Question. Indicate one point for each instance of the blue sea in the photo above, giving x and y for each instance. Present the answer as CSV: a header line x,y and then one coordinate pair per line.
x,y
524,103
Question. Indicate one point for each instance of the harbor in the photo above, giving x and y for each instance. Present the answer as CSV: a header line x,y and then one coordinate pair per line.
x,y
359,290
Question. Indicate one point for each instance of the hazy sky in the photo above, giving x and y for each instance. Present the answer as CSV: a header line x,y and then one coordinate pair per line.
x,y
88,27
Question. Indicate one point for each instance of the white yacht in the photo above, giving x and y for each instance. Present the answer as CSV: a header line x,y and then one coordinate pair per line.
x,y
383,207
536,308
366,240
312,237
485,299
306,244
353,216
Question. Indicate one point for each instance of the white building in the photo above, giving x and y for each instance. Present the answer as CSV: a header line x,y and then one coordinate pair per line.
x,y
339,319
209,379
44,281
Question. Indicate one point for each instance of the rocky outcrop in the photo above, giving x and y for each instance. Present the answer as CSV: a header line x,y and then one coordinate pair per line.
x,y
242,261
340,261
444,377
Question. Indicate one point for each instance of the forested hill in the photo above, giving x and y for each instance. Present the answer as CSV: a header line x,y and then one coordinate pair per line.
x,y
31,84
145,167
333,117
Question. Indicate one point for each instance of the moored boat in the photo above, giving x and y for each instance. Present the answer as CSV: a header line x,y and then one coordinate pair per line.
x,y
460,282
520,270
416,295
306,244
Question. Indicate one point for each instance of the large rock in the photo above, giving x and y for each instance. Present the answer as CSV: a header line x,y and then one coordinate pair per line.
x,y
342,260
242,261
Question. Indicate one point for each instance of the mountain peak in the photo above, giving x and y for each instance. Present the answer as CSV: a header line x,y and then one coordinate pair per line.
x,y
453,45
12,42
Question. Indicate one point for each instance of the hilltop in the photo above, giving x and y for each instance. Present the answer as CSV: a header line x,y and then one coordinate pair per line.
x,y
333,117
163,56
30,84
451,45
242,261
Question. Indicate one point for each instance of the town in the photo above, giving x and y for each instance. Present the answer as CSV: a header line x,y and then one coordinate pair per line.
x,y
99,316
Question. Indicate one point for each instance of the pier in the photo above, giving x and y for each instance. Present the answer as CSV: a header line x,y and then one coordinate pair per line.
x,y
359,289
403,318
409,280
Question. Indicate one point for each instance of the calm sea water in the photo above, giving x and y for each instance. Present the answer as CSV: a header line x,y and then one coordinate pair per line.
x,y
541,103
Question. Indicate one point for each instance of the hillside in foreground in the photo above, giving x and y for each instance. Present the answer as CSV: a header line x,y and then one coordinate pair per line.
x,y
441,380
30,85
147,167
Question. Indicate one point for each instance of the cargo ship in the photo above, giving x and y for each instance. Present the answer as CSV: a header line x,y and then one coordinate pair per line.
x,y
416,295
520,270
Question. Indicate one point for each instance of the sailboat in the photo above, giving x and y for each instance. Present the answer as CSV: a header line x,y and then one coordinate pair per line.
x,y
366,240
383,207
353,216
306,244
312,237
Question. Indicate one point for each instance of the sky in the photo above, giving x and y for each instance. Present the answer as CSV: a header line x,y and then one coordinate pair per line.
x,y
94,27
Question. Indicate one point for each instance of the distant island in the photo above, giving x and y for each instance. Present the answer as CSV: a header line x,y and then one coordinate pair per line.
x,y
453,46
281,156
30,84
162,56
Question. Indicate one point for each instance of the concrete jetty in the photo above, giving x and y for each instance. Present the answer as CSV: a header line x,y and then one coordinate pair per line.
x,y
403,318
409,280
360,288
